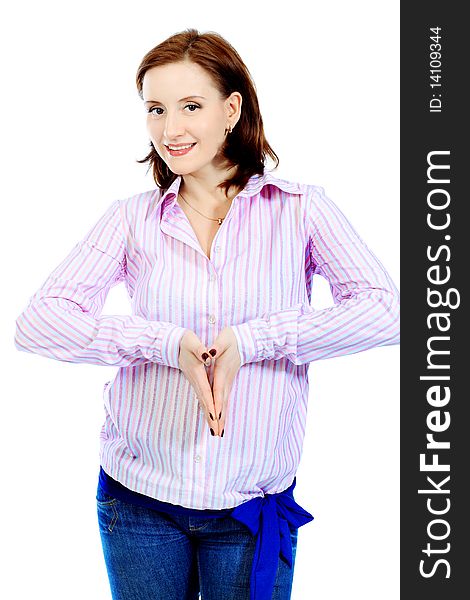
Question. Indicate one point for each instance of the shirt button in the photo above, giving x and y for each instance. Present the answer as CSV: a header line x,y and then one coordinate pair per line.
x,y
197,458
212,277
212,319
217,249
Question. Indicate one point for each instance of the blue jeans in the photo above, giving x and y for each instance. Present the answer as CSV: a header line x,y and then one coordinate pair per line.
x,y
152,556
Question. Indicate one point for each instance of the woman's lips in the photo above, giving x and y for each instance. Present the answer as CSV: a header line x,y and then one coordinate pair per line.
x,y
180,152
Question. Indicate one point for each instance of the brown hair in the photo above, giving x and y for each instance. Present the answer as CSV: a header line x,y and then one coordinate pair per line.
x,y
246,147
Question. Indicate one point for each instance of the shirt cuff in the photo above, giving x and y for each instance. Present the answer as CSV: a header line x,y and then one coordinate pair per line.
x,y
170,348
246,341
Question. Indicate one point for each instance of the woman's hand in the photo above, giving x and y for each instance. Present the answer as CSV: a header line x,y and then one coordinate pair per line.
x,y
193,365
226,365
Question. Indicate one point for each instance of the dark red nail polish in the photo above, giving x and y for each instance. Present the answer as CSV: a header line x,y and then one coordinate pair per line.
x,y
222,434
220,414
213,352
205,356
210,414
212,431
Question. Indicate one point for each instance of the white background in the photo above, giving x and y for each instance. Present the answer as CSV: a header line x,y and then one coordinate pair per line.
x,y
327,76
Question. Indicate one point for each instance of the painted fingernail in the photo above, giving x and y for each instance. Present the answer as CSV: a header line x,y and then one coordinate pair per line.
x,y
205,356
212,418
213,352
220,414
212,431
222,434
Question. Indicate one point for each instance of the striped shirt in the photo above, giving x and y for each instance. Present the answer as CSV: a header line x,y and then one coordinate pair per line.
x,y
277,234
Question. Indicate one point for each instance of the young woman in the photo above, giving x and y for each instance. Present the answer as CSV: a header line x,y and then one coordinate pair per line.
x,y
205,418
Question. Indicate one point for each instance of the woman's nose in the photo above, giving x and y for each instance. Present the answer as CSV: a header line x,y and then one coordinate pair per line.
x,y
173,127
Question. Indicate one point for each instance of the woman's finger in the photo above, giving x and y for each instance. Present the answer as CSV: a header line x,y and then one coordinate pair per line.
x,y
206,400
221,390
206,359
218,395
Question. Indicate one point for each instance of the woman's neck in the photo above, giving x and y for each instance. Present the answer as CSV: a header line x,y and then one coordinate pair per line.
x,y
204,191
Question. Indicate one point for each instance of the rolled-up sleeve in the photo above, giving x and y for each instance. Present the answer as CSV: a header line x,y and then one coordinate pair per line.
x,y
365,313
63,318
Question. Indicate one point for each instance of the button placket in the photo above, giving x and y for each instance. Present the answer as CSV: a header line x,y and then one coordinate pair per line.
x,y
199,465
212,318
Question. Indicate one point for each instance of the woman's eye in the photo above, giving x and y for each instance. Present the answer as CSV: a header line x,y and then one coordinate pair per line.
x,y
154,108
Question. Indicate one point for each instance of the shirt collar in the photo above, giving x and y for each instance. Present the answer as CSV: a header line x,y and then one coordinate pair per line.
x,y
253,186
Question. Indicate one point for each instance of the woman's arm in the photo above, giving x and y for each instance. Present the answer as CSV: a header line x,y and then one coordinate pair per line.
x,y
63,319
366,310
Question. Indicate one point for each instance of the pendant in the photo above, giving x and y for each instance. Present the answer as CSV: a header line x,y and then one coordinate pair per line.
x,y
220,221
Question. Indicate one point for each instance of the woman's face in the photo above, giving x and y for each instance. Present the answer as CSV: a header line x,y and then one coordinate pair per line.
x,y
178,115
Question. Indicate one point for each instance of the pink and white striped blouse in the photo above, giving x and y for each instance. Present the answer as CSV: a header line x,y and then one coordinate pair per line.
x,y
276,235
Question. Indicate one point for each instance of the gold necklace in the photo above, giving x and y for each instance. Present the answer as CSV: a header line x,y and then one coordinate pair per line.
x,y
219,220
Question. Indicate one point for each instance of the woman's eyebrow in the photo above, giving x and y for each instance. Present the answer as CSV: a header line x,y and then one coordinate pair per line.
x,y
181,100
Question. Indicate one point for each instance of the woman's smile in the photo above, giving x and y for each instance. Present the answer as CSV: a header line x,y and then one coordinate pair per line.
x,y
185,149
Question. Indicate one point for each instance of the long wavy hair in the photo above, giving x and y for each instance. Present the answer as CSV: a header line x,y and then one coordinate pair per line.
x,y
246,147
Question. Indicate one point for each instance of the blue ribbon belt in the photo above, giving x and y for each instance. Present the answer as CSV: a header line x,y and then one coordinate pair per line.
x,y
270,519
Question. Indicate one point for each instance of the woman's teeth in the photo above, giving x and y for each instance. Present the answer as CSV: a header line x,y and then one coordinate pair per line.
x,y
180,147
